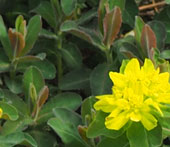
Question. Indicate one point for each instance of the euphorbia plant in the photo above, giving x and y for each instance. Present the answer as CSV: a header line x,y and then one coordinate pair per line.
x,y
139,104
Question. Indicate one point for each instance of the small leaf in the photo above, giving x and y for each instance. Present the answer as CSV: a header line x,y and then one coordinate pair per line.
x,y
34,27
86,109
139,24
101,14
160,32
34,76
43,138
28,59
155,137
64,100
97,127
18,125
120,4
121,141
43,96
5,39
165,54
148,41
111,24
65,128
100,82
76,79
15,85
9,111
20,25
137,139
71,55
46,67
68,6
17,41
46,11
18,138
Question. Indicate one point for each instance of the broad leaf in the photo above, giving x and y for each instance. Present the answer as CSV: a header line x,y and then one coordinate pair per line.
x,y
8,111
18,138
46,11
100,82
71,55
64,100
65,128
138,138
68,6
121,141
97,127
76,79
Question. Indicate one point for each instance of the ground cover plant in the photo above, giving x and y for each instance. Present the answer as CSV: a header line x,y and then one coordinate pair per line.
x,y
84,73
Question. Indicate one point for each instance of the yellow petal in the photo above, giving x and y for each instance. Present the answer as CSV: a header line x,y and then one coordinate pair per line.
x,y
104,96
1,112
135,116
164,77
116,123
115,112
148,120
117,78
106,105
148,66
132,68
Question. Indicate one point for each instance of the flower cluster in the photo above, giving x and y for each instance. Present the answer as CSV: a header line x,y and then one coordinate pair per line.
x,y
139,94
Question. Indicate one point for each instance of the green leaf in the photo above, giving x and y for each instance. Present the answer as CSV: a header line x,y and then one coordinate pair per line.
x,y
76,79
155,137
65,128
120,4
15,85
86,109
43,138
129,13
121,141
111,25
100,82
165,54
16,101
68,7
87,16
64,100
71,55
5,39
4,62
46,11
18,138
101,14
47,68
139,24
34,27
9,111
160,32
34,76
137,135
97,127
86,34
15,126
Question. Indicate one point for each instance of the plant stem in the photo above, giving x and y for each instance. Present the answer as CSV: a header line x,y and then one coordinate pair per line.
x,y
108,56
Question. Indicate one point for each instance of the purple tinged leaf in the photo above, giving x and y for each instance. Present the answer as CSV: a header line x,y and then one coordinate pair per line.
x,y
111,24
148,41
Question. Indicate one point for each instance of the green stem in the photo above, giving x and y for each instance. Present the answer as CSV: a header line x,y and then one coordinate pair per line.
x,y
108,56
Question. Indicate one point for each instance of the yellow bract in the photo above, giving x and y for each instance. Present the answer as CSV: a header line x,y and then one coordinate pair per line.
x,y
138,95
1,112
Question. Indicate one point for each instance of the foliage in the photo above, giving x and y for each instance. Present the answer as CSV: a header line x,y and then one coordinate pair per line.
x,y
55,60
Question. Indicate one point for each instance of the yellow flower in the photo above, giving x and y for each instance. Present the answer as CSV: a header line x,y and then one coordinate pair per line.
x,y
138,95
1,112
